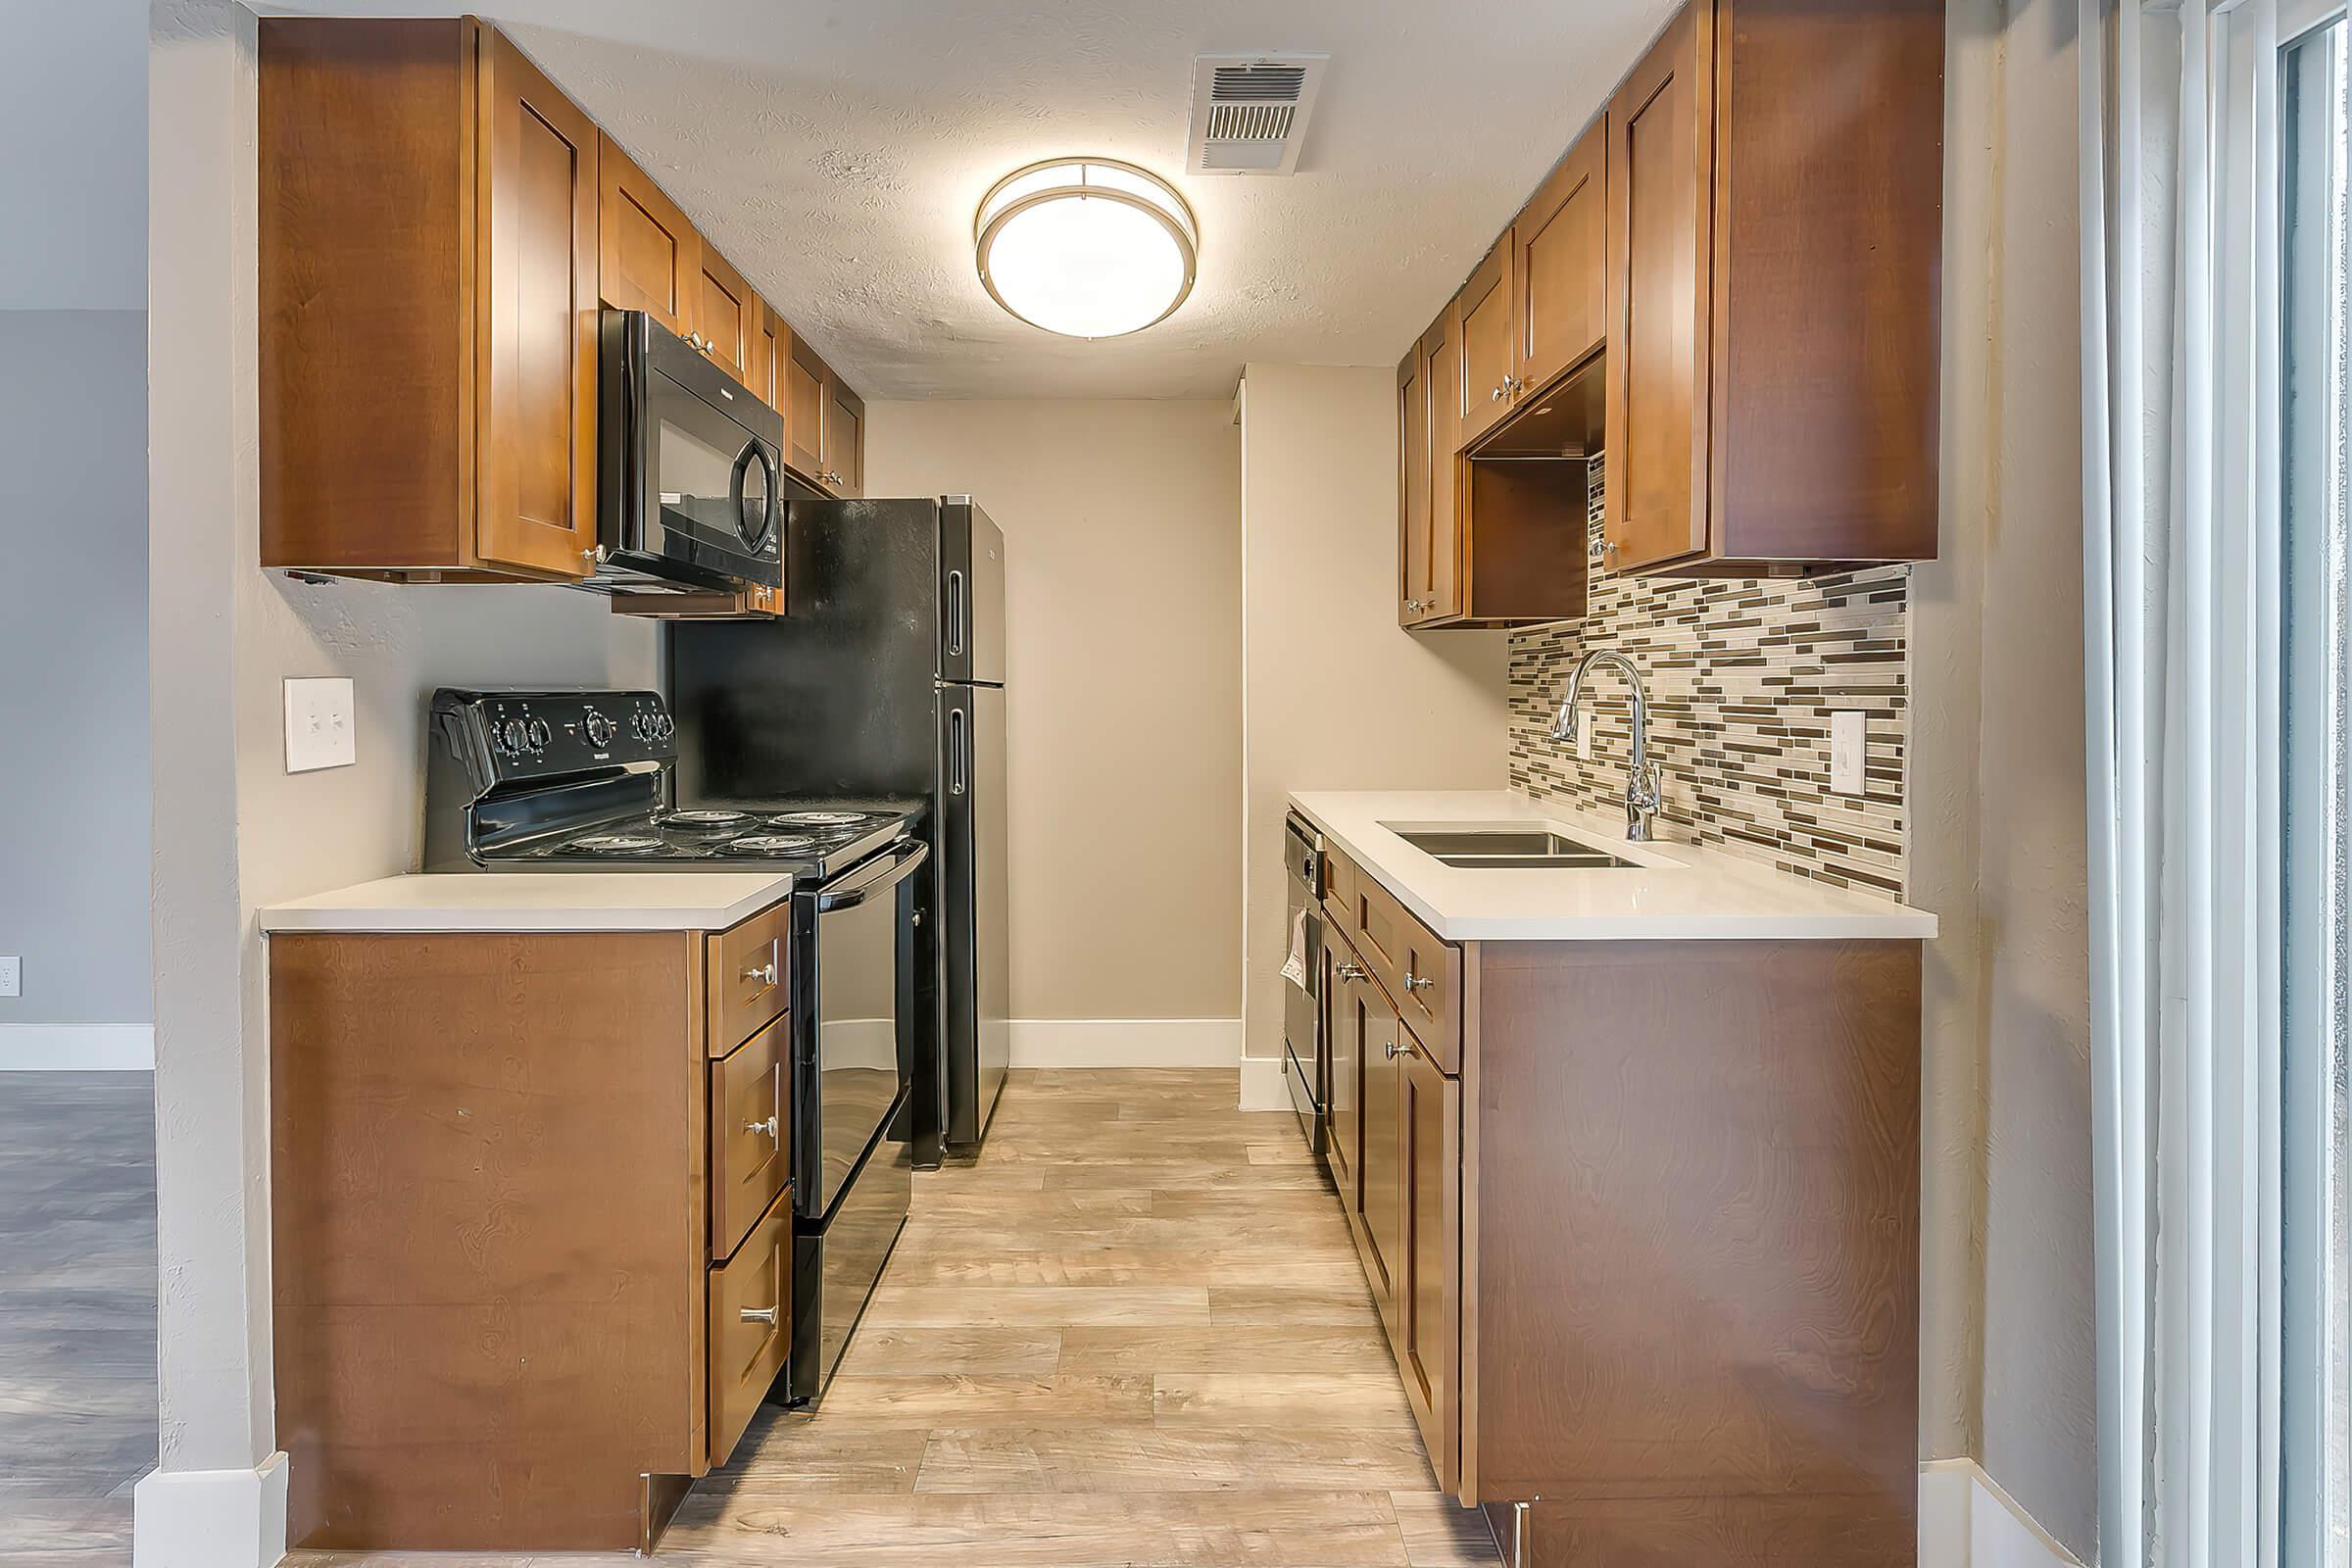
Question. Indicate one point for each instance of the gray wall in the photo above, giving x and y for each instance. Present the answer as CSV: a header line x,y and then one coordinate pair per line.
x,y
73,644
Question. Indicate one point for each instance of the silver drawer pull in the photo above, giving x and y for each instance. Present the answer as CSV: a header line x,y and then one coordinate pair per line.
x,y
760,1314
764,974
1417,982
770,1129
1351,971
1395,1051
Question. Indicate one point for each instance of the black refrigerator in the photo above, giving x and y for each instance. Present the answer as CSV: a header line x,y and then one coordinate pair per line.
x,y
884,678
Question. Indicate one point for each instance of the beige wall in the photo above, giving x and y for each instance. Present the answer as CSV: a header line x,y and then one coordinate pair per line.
x,y
1997,792
232,830
1122,534
1335,695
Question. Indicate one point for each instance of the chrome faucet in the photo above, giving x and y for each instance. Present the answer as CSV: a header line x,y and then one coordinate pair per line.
x,y
1641,782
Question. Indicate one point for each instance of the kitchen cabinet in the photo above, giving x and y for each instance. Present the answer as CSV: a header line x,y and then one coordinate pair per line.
x,y
771,351
727,317
1487,382
824,423
1568,1155
1413,452
651,257
426,271
1775,233
558,1249
1558,274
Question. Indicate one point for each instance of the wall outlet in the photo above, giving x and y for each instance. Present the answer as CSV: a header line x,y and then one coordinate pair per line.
x,y
1583,737
321,731
12,977
1848,747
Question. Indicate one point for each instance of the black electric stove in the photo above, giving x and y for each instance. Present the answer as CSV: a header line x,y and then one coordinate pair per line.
x,y
586,781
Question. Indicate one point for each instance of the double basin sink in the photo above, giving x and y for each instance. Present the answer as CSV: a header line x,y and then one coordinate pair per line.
x,y
1494,848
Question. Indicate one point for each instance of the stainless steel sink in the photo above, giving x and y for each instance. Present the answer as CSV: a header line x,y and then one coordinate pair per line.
x,y
1496,849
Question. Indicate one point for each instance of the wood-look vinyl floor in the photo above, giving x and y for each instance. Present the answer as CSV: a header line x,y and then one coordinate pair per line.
x,y
77,1423
1133,1331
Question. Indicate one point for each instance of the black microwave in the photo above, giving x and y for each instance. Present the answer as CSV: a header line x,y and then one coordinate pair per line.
x,y
691,467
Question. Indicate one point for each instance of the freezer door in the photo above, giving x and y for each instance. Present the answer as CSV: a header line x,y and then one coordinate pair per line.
x,y
971,595
977,1039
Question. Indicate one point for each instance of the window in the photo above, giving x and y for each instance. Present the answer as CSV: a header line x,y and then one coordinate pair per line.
x,y
2314,158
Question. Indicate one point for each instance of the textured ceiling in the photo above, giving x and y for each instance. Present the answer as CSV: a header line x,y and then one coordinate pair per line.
x,y
836,151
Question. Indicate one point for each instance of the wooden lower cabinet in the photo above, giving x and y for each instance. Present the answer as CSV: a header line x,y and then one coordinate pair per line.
x,y
526,1245
1649,1261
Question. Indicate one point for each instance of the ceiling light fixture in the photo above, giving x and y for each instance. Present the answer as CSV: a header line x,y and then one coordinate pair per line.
x,y
1086,247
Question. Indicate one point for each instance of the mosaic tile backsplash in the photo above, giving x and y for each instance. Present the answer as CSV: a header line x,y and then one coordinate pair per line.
x,y
1743,675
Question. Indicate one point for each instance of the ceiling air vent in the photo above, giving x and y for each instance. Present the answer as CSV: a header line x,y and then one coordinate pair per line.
x,y
1249,112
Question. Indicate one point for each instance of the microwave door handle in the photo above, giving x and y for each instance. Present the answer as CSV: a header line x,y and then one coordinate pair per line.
x,y
956,613
885,871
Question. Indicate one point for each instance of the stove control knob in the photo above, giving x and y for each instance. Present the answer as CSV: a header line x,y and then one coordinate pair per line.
x,y
600,729
540,734
511,736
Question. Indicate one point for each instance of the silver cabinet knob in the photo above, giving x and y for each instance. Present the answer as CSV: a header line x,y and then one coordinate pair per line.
x,y
760,1314
770,1129
1351,971
1494,396
1413,607
764,974
1396,1050
1417,982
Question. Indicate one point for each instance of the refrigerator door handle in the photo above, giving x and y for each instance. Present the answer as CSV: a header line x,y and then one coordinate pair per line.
x,y
955,614
958,761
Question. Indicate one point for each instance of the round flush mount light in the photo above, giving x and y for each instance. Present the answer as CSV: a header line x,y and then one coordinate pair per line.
x,y
1086,247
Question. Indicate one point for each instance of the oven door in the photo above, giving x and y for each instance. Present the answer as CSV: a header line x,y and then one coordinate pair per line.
x,y
858,984
693,465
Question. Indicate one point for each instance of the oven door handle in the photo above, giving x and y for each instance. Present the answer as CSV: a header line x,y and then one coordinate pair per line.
x,y
882,872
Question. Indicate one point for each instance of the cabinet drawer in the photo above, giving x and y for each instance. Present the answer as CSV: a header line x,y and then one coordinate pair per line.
x,y
1338,888
1422,973
749,971
750,1120
750,1328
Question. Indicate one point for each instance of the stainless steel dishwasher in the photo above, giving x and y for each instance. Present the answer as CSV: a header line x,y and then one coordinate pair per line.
x,y
1305,1054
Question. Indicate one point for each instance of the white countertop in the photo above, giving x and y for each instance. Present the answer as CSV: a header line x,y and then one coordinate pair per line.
x,y
524,901
1679,890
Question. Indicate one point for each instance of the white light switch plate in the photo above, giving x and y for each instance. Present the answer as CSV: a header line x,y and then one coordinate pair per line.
x,y
321,731
1846,751
12,977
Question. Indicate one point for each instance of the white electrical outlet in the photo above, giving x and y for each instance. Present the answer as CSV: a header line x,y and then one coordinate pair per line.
x,y
1583,737
321,731
12,977
1848,748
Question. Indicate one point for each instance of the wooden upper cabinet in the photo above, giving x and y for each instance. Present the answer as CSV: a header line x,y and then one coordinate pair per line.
x,y
1412,485
1775,239
1661,161
651,257
727,317
771,350
1489,368
845,439
428,219
537,305
1441,356
1560,271
804,380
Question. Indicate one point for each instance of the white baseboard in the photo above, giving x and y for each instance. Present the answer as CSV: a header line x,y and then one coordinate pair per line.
x,y
1126,1042
76,1048
210,1518
1967,1521
1262,1084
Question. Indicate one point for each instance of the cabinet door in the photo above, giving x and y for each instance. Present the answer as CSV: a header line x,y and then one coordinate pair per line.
x,y
1429,1281
1412,487
651,257
771,349
1382,1044
535,321
1343,1027
806,377
845,439
1442,355
1662,127
1489,371
1560,271
727,315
